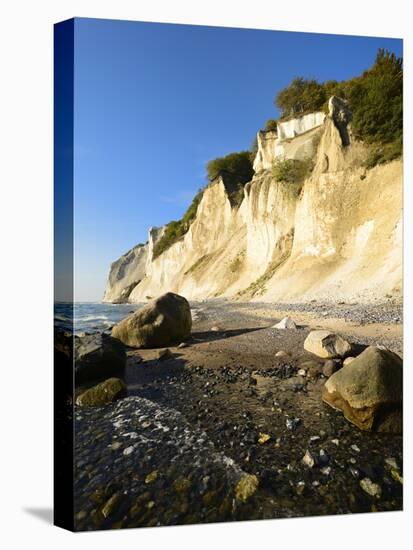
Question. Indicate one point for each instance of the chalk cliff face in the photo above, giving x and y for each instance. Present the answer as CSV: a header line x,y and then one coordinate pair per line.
x,y
336,237
294,139
125,274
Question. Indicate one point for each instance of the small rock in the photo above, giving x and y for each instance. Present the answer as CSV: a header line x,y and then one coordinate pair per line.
x,y
285,323
182,485
396,475
151,477
330,367
128,451
282,353
292,423
314,371
323,457
263,438
372,489
308,460
335,442
392,462
302,372
165,354
183,345
355,448
110,505
326,470
246,487
300,487
215,328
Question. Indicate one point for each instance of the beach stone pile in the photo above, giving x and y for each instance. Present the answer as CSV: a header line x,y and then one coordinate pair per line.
x,y
162,322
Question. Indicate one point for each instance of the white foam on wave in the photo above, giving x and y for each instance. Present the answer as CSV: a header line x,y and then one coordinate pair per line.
x,y
92,318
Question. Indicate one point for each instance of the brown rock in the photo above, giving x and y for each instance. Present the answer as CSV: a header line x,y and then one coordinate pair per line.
x,y
369,391
330,367
162,322
103,393
165,354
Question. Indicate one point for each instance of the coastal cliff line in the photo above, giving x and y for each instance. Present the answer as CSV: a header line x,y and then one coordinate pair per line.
x,y
334,235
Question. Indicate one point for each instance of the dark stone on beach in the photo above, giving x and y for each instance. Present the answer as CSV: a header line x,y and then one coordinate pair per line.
x,y
330,367
165,354
98,356
292,423
162,322
63,347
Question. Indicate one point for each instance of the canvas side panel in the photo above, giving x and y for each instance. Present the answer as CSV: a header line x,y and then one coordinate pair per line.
x,y
63,273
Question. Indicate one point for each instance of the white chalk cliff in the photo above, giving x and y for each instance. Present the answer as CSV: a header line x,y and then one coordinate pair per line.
x,y
336,237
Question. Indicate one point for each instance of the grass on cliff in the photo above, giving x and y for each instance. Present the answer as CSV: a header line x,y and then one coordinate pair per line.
x,y
380,154
292,171
236,170
175,230
375,98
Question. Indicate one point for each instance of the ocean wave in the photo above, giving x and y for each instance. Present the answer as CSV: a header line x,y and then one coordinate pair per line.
x,y
62,318
88,318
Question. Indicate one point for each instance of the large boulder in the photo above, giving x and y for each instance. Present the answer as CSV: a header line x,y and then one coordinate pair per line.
x,y
63,348
102,394
326,344
369,391
98,356
162,322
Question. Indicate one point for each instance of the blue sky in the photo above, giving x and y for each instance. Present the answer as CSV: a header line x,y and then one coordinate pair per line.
x,y
154,102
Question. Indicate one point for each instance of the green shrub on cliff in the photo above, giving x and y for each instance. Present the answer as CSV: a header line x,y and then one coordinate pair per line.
x,y
271,125
175,230
300,97
236,170
377,101
381,153
375,98
236,166
291,170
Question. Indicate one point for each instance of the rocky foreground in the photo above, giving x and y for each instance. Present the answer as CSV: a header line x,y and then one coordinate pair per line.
x,y
231,425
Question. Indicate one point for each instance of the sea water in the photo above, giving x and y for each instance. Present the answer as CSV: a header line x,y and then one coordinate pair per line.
x,y
91,316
